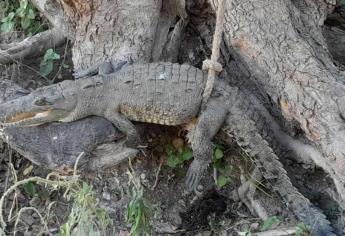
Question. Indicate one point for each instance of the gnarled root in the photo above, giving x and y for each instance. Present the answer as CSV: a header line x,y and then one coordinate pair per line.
x,y
31,46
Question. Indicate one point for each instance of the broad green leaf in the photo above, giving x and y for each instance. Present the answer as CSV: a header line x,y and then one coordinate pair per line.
x,y
50,55
186,154
25,22
66,66
31,14
55,56
218,154
173,161
222,180
267,224
7,26
30,189
23,4
8,18
46,67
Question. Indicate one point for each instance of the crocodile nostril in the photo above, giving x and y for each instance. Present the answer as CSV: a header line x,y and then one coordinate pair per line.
x,y
42,102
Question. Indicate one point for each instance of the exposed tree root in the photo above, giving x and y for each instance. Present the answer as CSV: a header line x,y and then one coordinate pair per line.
x,y
30,47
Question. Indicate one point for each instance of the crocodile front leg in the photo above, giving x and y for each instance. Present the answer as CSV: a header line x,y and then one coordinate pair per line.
x,y
103,67
209,122
126,126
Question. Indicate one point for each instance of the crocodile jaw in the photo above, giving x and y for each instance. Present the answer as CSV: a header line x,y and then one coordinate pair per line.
x,y
26,119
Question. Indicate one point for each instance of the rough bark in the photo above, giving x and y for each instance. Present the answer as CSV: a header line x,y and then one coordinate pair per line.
x,y
106,30
55,14
280,43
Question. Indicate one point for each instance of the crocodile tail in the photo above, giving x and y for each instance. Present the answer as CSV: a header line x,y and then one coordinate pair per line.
x,y
239,125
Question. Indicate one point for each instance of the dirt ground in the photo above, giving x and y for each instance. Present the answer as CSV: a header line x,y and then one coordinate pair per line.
x,y
213,211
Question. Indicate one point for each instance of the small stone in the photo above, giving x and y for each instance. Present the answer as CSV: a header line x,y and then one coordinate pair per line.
x,y
254,226
106,196
142,176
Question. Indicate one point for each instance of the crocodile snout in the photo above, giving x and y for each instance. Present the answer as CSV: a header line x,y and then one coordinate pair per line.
x,y
14,113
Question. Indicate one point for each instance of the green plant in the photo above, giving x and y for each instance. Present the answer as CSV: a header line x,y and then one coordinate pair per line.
x,y
267,224
342,2
84,217
177,156
138,213
218,163
302,230
30,189
21,14
46,65
7,22
139,208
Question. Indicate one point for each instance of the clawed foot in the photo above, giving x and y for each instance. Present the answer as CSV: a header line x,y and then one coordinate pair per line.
x,y
194,174
132,142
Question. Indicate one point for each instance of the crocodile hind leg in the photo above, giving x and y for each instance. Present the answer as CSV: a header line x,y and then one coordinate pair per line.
x,y
126,126
209,122
243,129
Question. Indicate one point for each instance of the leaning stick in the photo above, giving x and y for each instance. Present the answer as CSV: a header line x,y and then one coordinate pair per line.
x,y
212,65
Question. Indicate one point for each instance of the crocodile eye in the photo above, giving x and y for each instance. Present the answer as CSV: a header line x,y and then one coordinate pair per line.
x,y
42,102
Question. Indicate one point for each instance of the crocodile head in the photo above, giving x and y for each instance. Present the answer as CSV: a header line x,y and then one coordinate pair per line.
x,y
47,104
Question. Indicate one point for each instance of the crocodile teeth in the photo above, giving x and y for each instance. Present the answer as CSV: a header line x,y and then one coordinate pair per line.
x,y
21,118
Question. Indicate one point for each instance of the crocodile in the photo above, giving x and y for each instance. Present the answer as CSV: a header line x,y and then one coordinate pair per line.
x,y
167,94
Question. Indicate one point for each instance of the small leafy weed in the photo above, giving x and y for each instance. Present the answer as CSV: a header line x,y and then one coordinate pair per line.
x,y
85,218
30,189
302,230
21,14
177,157
218,163
46,65
138,213
139,209
7,22
267,224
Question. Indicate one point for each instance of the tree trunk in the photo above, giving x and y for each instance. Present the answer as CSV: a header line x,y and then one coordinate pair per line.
x,y
281,46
